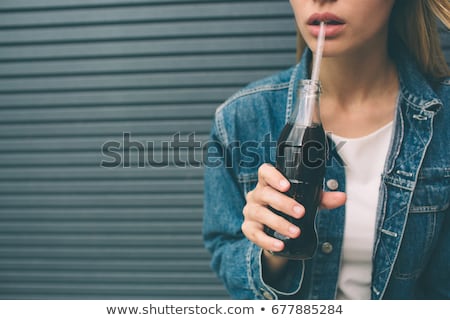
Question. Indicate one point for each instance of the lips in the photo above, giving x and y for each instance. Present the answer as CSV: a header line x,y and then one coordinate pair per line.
x,y
328,18
334,24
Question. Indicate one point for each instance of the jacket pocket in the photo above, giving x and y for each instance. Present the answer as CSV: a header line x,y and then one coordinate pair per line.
x,y
426,216
432,192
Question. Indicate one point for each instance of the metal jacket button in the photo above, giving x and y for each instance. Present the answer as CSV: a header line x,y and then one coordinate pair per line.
x,y
267,295
332,184
327,247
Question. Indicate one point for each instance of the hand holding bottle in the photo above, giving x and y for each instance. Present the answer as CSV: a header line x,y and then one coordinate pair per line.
x,y
269,192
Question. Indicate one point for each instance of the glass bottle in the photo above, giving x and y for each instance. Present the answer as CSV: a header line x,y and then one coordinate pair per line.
x,y
301,158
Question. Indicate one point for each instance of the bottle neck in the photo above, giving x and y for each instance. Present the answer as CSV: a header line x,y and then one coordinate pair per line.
x,y
306,112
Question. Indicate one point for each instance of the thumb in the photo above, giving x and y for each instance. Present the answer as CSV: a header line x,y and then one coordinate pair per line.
x,y
332,200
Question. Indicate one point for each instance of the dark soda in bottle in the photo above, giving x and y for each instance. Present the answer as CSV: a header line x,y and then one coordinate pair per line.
x,y
301,158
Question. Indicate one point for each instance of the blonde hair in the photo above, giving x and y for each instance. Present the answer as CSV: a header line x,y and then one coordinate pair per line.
x,y
413,22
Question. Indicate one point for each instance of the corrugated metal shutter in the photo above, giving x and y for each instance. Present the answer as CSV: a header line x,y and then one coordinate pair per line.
x,y
75,74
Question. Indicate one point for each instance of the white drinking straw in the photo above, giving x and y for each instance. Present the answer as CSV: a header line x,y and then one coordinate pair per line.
x,y
319,50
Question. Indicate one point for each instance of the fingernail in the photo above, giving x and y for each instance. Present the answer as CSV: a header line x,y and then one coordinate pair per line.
x,y
298,210
294,230
284,183
278,245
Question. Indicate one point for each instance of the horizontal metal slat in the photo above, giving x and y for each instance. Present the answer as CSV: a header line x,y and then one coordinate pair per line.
x,y
144,96
131,240
188,11
129,65
162,228
148,31
145,128
202,294
177,47
99,215
108,113
132,82
149,265
109,253
95,291
78,142
145,160
76,173
103,201
107,277
101,187
31,5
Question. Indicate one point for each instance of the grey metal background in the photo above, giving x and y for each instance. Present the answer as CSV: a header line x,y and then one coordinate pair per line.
x,y
75,74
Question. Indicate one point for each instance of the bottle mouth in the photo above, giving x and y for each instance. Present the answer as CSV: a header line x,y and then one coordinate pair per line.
x,y
310,86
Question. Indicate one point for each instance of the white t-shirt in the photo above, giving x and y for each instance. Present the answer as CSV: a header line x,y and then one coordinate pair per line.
x,y
364,160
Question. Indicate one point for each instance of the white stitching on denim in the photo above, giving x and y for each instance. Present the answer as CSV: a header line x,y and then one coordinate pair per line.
x,y
428,209
377,292
420,117
404,173
249,275
389,233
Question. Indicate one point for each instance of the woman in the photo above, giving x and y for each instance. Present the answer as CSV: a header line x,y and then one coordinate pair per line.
x,y
384,226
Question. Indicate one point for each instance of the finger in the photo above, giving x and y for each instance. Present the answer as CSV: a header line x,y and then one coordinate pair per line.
x,y
268,196
333,199
264,216
269,175
255,233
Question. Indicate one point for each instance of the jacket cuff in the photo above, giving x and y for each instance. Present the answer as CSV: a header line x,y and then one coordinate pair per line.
x,y
288,285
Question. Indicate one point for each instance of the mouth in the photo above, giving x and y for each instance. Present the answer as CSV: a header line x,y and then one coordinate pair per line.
x,y
327,22
328,18
333,28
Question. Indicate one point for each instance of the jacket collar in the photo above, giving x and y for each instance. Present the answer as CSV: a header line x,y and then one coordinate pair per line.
x,y
414,87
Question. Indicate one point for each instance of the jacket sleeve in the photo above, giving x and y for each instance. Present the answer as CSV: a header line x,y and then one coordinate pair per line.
x,y
235,259
437,276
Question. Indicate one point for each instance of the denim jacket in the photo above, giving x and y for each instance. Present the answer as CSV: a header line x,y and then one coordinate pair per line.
x,y
411,256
